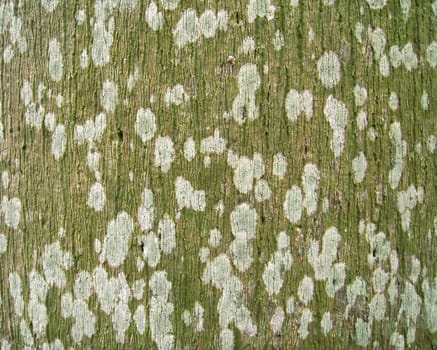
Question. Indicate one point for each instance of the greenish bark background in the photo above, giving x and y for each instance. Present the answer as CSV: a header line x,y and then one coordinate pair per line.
x,y
53,193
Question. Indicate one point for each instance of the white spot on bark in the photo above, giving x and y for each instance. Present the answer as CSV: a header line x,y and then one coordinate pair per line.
x,y
176,95
145,124
310,184
336,113
326,323
305,319
154,19
360,94
49,5
83,285
278,40
377,4
297,103
102,42
164,153
11,210
328,67
244,106
3,244
120,321
109,97
260,8
16,292
187,30
115,244
139,318
362,332
305,290
293,204
96,197
359,166
431,54
55,60
189,149
151,251
167,232
277,320
208,23
59,141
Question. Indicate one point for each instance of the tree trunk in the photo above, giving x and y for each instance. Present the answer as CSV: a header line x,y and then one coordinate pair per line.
x,y
256,174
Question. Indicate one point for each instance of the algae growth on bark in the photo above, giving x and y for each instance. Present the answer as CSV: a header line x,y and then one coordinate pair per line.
x,y
218,174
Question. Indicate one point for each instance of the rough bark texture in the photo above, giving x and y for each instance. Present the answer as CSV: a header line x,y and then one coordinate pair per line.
x,y
218,174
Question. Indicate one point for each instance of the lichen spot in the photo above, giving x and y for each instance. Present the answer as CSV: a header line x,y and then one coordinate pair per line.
x,y
328,67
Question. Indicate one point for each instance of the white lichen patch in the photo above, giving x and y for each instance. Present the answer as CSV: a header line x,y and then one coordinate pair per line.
x,y
323,262
262,191
377,307
26,334
55,60
84,321
96,197
305,319
397,341
431,54
16,292
241,252
278,40
430,303
59,141
431,143
329,69
83,59
326,323
297,103
116,241
279,165
424,100
146,210
260,8
247,46
102,41
379,280
109,96
215,237
336,114
310,185
187,29
121,319
410,307
226,339
164,153
167,233
410,59
362,332
170,4
243,221
360,95
138,289
151,250
198,316
406,202
139,318
145,124
208,23
305,290
378,42
54,262
49,5
377,4
188,197
160,311
244,106
34,115
293,204
384,66
217,271
50,121
189,149
214,144
3,243
280,262
414,269
11,210
154,19
359,167
277,320
83,285
176,95
393,101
